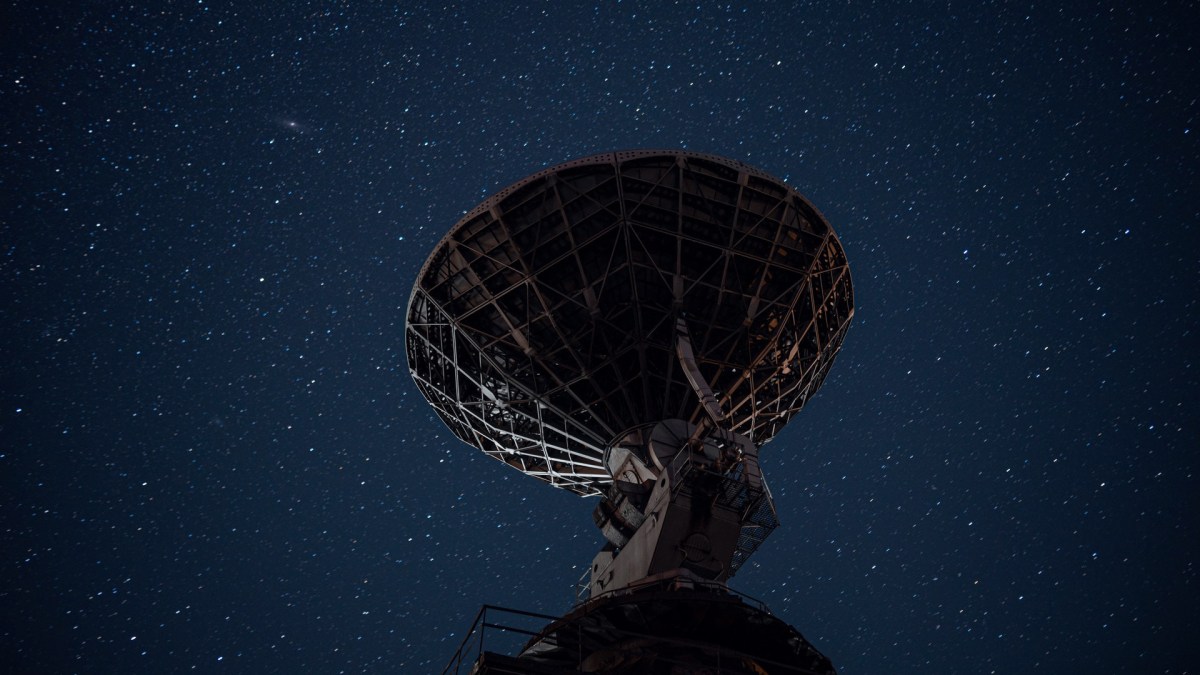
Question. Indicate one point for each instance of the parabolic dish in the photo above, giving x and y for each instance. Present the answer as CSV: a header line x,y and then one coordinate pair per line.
x,y
543,326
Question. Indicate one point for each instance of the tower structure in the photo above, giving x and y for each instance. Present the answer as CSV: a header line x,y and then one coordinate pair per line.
x,y
634,326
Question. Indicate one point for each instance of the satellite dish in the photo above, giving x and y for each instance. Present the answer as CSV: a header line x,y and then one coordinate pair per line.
x,y
636,325
544,324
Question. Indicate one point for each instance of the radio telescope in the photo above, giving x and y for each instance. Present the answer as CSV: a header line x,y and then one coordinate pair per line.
x,y
635,326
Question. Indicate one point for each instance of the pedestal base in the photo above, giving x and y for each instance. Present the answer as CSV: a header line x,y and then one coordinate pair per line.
x,y
672,626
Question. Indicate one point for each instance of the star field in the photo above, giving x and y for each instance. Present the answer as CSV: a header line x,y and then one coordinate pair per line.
x,y
212,457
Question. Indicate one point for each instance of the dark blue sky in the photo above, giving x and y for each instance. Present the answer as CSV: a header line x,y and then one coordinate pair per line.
x,y
212,457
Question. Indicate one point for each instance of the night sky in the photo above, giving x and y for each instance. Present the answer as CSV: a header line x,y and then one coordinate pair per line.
x,y
212,456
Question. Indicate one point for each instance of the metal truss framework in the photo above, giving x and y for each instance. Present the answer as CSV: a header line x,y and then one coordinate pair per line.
x,y
544,324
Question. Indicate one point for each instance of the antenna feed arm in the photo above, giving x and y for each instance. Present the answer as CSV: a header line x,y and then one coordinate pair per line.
x,y
691,370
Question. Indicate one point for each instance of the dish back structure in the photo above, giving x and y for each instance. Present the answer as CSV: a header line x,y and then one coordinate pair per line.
x,y
546,324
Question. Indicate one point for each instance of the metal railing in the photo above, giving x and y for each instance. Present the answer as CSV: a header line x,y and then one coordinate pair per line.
x,y
503,637
753,503
493,624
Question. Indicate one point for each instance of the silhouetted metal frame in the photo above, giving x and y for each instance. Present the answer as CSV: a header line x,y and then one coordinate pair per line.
x,y
542,326
493,619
